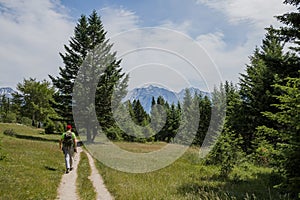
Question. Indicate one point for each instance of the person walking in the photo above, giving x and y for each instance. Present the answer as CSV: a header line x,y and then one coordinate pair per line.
x,y
68,145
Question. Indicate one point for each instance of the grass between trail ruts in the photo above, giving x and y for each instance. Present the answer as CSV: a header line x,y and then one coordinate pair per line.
x,y
30,169
188,178
85,188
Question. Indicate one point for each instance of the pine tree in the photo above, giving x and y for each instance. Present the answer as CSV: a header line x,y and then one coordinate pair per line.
x,y
290,32
288,111
110,83
153,103
288,116
204,121
5,109
87,34
158,118
16,106
172,123
164,119
226,150
90,53
269,65
73,58
104,96
141,118
217,117
189,120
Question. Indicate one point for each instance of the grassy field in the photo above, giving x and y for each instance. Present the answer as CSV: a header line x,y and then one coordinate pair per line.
x,y
30,168
188,178
29,133
84,184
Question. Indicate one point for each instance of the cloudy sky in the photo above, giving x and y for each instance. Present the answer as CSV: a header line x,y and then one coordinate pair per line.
x,y
171,43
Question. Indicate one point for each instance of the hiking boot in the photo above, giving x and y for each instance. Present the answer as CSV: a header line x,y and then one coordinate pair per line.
x,y
67,171
71,168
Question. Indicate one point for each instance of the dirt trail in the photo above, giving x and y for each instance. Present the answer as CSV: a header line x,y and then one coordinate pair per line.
x,y
67,188
102,192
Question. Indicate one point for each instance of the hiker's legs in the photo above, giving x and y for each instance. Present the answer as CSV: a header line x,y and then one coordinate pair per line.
x,y
67,157
71,157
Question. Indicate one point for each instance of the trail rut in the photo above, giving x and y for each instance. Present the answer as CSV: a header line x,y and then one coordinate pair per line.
x,y
67,188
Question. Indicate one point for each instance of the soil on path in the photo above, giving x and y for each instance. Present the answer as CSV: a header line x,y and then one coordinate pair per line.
x,y
102,192
67,188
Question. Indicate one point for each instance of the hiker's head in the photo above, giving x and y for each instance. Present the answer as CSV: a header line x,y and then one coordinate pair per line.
x,y
69,127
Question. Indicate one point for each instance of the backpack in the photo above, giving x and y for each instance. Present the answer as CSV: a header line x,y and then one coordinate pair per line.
x,y
68,140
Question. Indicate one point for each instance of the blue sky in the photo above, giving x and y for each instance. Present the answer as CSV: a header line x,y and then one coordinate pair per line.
x,y
154,13
211,38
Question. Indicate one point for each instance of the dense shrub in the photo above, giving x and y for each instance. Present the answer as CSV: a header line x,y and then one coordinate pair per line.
x,y
26,121
49,127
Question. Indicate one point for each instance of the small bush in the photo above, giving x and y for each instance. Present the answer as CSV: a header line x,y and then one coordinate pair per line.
x,y
50,127
10,118
114,133
227,152
59,127
26,121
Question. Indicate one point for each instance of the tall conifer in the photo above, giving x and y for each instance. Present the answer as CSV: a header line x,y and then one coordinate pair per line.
x,y
88,35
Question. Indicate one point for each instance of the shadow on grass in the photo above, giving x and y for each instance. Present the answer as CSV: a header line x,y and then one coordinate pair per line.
x,y
259,188
27,137
36,138
50,168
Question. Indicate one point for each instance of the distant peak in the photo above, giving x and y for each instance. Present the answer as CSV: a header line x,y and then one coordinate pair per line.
x,y
151,86
155,87
6,91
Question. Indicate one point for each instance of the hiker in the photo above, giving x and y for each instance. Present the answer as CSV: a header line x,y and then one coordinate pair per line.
x,y
68,145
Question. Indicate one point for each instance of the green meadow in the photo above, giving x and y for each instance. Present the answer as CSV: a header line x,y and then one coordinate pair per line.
x,y
32,168
188,178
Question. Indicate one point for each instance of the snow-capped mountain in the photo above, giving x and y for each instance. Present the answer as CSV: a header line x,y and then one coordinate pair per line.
x,y
145,95
193,91
7,91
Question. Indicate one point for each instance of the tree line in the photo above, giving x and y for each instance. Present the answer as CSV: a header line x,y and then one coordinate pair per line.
x,y
261,120
263,114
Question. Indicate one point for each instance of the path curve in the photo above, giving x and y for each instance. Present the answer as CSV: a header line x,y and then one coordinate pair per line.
x,y
95,177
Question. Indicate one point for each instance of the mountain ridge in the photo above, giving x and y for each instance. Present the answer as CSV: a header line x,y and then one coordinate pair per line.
x,y
7,92
145,94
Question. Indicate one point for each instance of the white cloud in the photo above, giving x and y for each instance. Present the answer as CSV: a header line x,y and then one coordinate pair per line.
x,y
32,35
118,20
229,62
159,55
259,13
212,40
230,59
183,27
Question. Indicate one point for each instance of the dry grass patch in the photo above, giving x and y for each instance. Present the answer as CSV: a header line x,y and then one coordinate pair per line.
x,y
140,147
